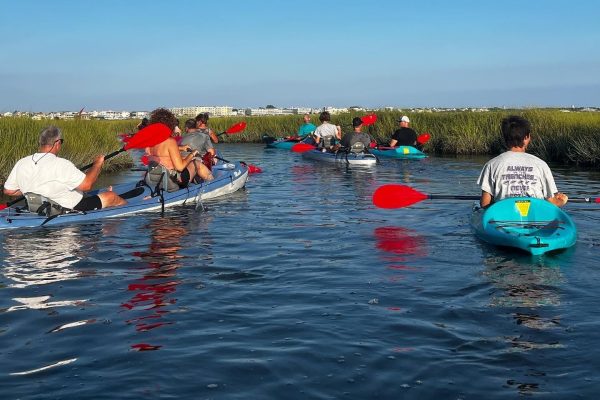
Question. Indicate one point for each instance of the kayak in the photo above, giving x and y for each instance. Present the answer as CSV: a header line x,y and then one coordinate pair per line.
x,y
533,225
407,152
279,143
228,178
364,159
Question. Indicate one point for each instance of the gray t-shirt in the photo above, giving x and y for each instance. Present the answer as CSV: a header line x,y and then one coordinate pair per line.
x,y
350,138
515,174
197,141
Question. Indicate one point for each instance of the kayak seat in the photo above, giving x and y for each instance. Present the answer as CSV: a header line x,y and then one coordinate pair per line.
x,y
160,177
357,148
43,206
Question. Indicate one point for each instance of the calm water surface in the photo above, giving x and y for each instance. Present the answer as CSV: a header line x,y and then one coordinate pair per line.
x,y
299,288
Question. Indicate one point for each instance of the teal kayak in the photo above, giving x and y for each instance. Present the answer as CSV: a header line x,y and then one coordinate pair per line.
x,y
279,143
407,152
533,225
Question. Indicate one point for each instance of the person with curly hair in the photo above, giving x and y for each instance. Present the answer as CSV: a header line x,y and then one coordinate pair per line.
x,y
166,155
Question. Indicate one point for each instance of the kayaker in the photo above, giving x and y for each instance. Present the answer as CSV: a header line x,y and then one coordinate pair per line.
x,y
326,134
58,179
516,173
404,136
306,128
356,135
202,125
195,139
180,171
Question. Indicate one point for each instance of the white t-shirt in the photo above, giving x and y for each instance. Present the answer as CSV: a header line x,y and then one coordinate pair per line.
x,y
326,130
47,175
515,174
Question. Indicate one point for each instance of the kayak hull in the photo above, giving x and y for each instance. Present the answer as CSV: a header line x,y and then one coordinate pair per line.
x,y
229,177
532,225
282,144
362,159
405,152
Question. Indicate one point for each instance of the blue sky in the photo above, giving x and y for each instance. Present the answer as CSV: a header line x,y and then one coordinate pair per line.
x,y
138,55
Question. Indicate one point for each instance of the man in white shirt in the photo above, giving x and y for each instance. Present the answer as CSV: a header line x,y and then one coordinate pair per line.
x,y
56,178
327,133
515,173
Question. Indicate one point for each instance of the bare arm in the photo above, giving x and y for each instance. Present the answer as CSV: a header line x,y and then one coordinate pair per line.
x,y
9,192
179,163
213,136
486,199
91,175
393,142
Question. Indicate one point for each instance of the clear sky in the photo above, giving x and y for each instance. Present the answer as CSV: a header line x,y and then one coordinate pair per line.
x,y
141,54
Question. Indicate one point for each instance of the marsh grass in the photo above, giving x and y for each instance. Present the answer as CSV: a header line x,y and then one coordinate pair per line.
x,y
559,137
83,141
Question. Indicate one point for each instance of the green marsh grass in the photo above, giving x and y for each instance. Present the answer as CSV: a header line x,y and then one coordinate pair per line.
x,y
558,137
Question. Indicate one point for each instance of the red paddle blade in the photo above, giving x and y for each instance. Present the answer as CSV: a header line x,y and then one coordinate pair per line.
x,y
396,196
3,206
240,126
423,138
253,169
302,147
369,119
148,136
144,159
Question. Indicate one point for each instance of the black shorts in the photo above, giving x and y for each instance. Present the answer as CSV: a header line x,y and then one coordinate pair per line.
x,y
89,203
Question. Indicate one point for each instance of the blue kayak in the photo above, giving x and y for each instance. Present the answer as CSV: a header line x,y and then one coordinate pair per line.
x,y
279,143
533,225
229,177
407,152
362,159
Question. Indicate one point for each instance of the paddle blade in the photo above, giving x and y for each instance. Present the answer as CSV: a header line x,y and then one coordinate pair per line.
x,y
253,169
423,138
302,147
396,196
3,206
144,159
240,126
369,119
148,136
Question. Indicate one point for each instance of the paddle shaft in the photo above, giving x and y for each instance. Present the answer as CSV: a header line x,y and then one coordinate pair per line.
x,y
450,197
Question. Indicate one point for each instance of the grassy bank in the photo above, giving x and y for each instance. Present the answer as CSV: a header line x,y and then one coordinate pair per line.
x,y
83,141
568,138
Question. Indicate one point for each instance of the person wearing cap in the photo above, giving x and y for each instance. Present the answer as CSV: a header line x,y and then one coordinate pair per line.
x,y
356,135
326,134
404,136
202,126
46,174
515,173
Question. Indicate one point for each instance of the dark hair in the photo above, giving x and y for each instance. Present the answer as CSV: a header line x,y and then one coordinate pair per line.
x,y
325,116
190,123
202,117
356,121
163,116
514,130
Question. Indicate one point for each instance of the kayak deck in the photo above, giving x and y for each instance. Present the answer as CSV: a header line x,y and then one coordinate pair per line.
x,y
405,152
533,225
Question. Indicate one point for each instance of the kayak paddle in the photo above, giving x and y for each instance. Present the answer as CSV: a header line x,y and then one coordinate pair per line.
x,y
146,137
240,126
423,138
369,119
398,196
252,169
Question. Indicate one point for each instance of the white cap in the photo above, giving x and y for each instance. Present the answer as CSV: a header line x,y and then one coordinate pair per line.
x,y
404,119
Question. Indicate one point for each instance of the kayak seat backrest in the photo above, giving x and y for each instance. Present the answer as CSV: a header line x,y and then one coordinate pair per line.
x,y
358,147
160,177
42,205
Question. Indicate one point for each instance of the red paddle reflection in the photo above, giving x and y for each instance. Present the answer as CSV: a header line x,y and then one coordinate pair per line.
x,y
401,242
155,289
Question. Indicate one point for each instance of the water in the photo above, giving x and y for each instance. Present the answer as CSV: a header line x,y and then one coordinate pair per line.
x,y
299,288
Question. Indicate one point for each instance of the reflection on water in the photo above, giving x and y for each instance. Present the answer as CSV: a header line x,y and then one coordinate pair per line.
x,y
40,259
154,291
400,242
